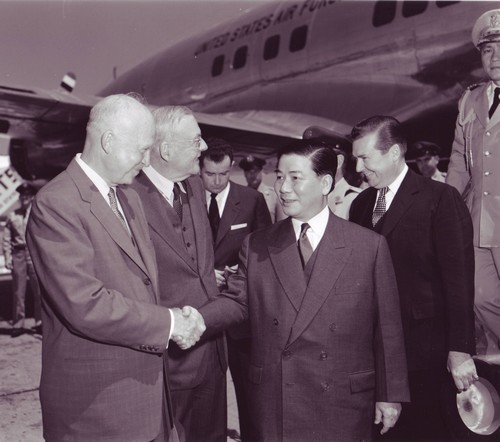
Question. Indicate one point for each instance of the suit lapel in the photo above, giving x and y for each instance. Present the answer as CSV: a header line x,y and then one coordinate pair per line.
x,y
332,255
101,210
231,210
285,260
159,216
402,201
481,108
139,229
365,207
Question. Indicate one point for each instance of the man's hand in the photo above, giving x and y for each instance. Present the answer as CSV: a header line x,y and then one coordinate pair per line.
x,y
388,414
462,368
8,263
220,279
189,326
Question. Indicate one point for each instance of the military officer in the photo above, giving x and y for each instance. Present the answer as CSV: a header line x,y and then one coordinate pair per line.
x,y
474,169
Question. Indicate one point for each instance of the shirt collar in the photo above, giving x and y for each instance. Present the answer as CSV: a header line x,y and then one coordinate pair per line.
x,y
396,184
221,198
164,185
317,223
96,179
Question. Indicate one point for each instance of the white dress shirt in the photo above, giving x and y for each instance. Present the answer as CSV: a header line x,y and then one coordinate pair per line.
x,y
317,228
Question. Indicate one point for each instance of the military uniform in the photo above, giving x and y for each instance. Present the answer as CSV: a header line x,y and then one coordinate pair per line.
x,y
474,170
17,258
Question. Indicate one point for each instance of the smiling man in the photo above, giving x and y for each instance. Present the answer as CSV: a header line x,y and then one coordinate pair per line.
x,y
475,166
429,233
327,355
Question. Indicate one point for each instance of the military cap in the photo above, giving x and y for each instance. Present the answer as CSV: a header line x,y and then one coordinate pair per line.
x,y
249,162
486,28
26,189
423,149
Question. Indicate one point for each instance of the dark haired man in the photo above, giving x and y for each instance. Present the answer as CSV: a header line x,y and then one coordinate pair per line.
x,y
327,351
429,232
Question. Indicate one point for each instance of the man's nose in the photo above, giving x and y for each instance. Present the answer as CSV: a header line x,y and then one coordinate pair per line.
x,y
145,158
203,145
359,165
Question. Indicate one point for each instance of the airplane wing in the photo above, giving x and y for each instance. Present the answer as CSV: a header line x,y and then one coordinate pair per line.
x,y
44,128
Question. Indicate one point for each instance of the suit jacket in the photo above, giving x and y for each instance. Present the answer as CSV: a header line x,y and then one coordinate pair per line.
x,y
474,157
429,232
244,212
321,353
181,282
103,332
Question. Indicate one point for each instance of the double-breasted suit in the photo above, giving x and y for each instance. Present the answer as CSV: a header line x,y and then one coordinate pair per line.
x,y
186,277
323,350
103,332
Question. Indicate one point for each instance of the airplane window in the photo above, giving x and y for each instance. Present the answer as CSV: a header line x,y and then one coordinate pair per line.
x,y
271,47
240,57
298,39
384,12
443,4
217,65
411,8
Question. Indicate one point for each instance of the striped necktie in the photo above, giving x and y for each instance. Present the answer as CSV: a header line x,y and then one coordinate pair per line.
x,y
114,207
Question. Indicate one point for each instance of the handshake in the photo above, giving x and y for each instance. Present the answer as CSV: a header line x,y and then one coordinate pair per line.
x,y
188,328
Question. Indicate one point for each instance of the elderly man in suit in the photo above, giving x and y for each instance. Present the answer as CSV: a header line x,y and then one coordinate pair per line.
x,y
234,211
429,232
327,354
104,332
474,170
174,201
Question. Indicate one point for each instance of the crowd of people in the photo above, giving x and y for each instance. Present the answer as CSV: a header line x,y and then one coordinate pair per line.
x,y
343,301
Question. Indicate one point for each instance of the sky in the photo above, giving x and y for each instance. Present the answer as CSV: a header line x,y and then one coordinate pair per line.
x,y
41,40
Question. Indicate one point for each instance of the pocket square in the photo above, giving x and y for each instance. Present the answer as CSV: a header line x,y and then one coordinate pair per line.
x,y
239,226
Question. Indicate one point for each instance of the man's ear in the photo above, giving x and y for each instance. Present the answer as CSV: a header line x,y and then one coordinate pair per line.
x,y
395,151
164,150
326,181
106,141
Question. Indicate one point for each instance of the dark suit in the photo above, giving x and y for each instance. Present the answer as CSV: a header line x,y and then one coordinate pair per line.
x,y
245,211
323,352
186,277
103,332
429,232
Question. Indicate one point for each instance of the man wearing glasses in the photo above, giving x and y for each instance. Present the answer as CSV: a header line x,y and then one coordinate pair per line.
x,y
173,196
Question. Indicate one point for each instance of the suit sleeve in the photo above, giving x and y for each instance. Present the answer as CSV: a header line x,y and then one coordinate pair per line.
x,y
452,236
63,255
390,357
458,175
231,305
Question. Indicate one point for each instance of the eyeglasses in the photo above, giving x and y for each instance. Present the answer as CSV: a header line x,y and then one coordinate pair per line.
x,y
196,142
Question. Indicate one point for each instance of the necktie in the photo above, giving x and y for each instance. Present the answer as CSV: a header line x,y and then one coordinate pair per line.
x,y
496,100
213,215
305,248
177,200
114,207
379,207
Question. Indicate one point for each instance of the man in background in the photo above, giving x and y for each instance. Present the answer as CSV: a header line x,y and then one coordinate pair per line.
x,y
426,155
252,168
429,233
18,260
474,170
174,200
234,211
104,333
